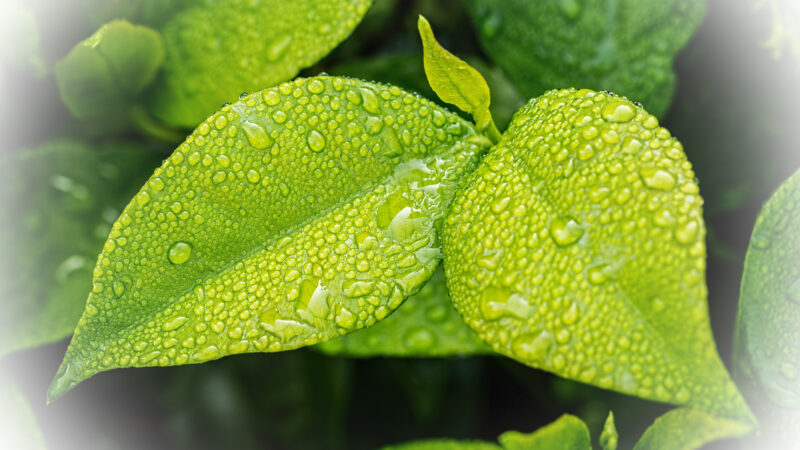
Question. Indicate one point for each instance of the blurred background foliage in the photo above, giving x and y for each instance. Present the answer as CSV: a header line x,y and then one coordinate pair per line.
x,y
734,109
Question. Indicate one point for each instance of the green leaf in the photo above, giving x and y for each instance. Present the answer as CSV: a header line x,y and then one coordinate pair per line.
x,y
19,428
424,325
107,71
455,81
60,200
567,432
767,347
216,50
577,247
295,215
688,429
625,46
609,436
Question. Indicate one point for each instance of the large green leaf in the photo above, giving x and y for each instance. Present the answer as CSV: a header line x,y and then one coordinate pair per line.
x,y
59,202
688,429
767,350
217,50
424,325
624,46
295,215
577,247
109,70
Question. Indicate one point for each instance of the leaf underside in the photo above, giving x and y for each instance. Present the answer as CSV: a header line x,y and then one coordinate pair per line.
x,y
295,215
625,46
577,247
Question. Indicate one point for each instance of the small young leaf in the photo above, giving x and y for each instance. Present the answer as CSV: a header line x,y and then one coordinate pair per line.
x,y
424,325
216,50
626,46
567,432
295,215
767,347
453,80
688,429
609,436
60,201
109,69
577,247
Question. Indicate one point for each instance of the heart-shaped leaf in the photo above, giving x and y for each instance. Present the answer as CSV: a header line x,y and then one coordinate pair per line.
x,y
295,215
625,46
424,325
218,49
60,200
577,247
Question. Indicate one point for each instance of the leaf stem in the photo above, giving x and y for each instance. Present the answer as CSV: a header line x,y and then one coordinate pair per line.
x,y
492,132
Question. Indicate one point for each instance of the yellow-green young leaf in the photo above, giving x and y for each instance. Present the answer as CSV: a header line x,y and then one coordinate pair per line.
x,y
767,348
217,50
109,69
453,80
625,46
60,200
577,247
424,325
609,436
295,215
688,429
566,433
18,426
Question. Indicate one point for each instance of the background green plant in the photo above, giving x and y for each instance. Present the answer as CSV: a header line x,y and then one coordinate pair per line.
x,y
716,114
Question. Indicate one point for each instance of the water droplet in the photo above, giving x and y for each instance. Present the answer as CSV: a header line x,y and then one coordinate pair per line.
x,y
219,177
175,323
565,231
315,141
253,176
278,47
118,287
686,233
618,112
656,178
256,135
374,125
370,103
207,353
570,8
532,347
491,24
316,86
180,252
272,98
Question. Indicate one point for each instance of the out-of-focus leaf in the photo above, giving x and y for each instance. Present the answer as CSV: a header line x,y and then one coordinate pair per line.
x,y
295,215
107,71
444,444
577,247
18,426
567,432
59,201
767,347
625,46
19,34
216,50
688,429
424,325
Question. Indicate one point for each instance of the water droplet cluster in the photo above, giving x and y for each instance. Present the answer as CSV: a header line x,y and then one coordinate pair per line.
x,y
426,324
577,246
284,220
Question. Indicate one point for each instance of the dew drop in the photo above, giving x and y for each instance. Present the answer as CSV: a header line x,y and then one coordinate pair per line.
x,y
315,141
685,234
180,252
175,323
656,178
532,347
370,103
618,112
419,338
256,135
565,231
570,8
316,86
